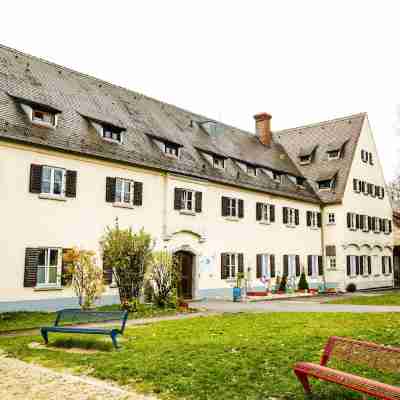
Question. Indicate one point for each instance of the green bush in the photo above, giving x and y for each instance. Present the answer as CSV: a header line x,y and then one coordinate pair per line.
x,y
303,284
282,286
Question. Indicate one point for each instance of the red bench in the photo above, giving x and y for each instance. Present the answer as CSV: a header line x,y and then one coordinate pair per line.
x,y
375,356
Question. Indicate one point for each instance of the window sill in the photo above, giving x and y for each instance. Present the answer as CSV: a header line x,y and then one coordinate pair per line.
x,y
41,124
48,196
111,140
387,274
122,205
233,219
171,156
314,228
46,288
290,226
264,222
187,212
331,223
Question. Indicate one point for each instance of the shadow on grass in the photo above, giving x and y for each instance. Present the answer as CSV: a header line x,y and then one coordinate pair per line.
x,y
81,344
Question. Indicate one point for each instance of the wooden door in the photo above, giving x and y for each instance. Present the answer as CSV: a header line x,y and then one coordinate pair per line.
x,y
185,260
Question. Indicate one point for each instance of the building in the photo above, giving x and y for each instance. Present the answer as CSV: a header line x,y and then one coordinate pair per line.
x,y
77,152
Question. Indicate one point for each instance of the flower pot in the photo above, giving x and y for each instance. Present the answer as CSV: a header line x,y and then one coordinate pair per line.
x,y
237,294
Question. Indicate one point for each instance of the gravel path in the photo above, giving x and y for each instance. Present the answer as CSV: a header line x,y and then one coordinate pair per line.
x,y
23,381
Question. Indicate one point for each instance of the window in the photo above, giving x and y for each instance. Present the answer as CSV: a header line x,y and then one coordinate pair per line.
x,y
326,184
187,200
43,117
331,260
351,221
300,181
376,224
277,177
365,265
387,226
232,207
304,160
53,181
290,216
331,219
356,185
265,213
172,149
49,266
333,154
353,266
313,219
313,264
112,133
364,223
251,170
218,162
124,191
386,265
231,265
265,266
366,156
291,266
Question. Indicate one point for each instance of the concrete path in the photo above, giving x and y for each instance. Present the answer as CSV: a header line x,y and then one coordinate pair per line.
x,y
290,306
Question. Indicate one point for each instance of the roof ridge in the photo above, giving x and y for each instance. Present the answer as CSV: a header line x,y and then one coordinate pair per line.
x,y
322,123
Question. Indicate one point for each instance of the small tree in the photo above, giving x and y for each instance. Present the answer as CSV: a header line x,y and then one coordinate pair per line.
x,y
165,276
282,286
84,275
128,254
303,284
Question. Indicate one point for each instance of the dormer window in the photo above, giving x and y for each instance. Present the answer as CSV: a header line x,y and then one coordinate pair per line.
x,y
112,133
171,149
304,160
334,154
326,184
218,162
277,177
300,182
306,154
41,115
251,170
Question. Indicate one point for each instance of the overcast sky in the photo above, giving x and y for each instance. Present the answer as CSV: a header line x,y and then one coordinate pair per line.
x,y
301,61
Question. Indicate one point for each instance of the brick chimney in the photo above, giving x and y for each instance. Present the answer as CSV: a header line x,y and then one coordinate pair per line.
x,y
263,128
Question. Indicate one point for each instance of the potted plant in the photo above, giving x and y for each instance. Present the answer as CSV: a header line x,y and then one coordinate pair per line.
x,y
237,290
303,284
282,285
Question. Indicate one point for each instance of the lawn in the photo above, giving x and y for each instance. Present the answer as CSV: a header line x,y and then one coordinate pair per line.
x,y
389,299
12,321
243,356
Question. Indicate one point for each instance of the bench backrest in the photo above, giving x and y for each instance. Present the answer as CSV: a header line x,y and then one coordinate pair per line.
x,y
76,315
376,356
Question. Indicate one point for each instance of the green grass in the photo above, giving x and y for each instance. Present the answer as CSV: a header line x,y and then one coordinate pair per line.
x,y
14,321
243,356
389,299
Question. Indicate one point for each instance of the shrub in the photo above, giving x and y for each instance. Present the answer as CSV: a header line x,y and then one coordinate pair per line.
x,y
84,275
165,277
303,284
351,288
282,286
128,254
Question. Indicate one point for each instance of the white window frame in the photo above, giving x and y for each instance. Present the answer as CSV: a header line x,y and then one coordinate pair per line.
x,y
124,191
364,223
232,265
314,219
171,150
111,139
326,188
233,207
314,267
386,226
52,181
265,213
46,267
385,265
365,264
331,219
331,261
188,200
335,157
266,265
291,265
377,227
218,162
353,268
375,265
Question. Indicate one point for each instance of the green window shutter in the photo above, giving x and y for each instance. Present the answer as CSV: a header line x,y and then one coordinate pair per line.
x,y
296,216
137,193
31,266
258,211
272,265
70,183
348,265
259,266
285,265
319,220
240,263
272,213
308,218
198,202
369,266
357,265
298,265
35,181
285,215
225,206
224,268
309,265
241,208
178,199
110,189
320,266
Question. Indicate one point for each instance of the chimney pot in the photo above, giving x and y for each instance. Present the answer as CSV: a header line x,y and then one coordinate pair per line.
x,y
263,128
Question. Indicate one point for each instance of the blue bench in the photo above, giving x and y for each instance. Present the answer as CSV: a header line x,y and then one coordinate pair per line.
x,y
77,316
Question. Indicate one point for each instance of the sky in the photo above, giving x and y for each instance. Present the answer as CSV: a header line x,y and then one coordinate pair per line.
x,y
301,61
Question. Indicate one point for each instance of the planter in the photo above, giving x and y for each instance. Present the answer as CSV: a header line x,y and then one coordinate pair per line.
x,y
237,294
255,294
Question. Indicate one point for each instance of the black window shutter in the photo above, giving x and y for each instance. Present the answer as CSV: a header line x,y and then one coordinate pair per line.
x,y
383,264
320,266
272,213
309,265
355,185
199,202
369,266
285,265
377,191
369,223
259,269
308,218
137,193
363,155
362,265
373,223
390,264
66,275
362,221
348,265
241,208
258,211
319,220
357,265
240,263
370,159
35,182
296,216
178,199
272,265
224,267
31,266
285,215
357,221
381,225
297,265
348,220
225,206
110,189
390,226
383,192
70,183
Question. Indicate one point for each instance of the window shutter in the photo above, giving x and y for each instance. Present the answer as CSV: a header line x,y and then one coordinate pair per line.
x,y
241,208
137,193
361,222
240,263
357,221
330,251
348,265
369,266
371,162
199,202
320,266
373,223
297,265
285,215
35,182
110,189
70,183
390,264
361,265
319,220
383,192
272,213
390,226
383,264
381,225
285,265
355,185
363,155
369,223
66,275
357,265
31,266
258,211
178,199
308,218
296,217
377,191
348,220
272,265
309,265
224,268
225,206
259,266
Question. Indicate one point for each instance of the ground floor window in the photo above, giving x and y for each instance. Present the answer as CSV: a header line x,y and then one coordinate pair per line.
x,y
331,261
352,265
386,265
265,266
231,265
49,266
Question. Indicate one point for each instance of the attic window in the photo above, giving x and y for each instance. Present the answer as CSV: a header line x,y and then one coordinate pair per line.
x,y
251,170
218,162
300,181
40,116
326,184
277,177
333,154
305,159
171,149
112,133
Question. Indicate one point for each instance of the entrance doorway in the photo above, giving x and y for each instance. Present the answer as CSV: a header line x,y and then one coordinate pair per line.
x,y
185,260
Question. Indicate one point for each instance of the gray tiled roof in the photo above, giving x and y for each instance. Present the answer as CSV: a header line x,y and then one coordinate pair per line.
x,y
79,96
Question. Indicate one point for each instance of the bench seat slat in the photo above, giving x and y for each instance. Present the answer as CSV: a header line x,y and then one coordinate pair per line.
x,y
98,331
357,383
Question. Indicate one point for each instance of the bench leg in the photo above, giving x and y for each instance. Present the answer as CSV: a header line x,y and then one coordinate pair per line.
x,y
114,340
45,335
303,378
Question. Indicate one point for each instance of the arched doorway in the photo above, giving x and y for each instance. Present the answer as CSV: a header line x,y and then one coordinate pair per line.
x,y
185,259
